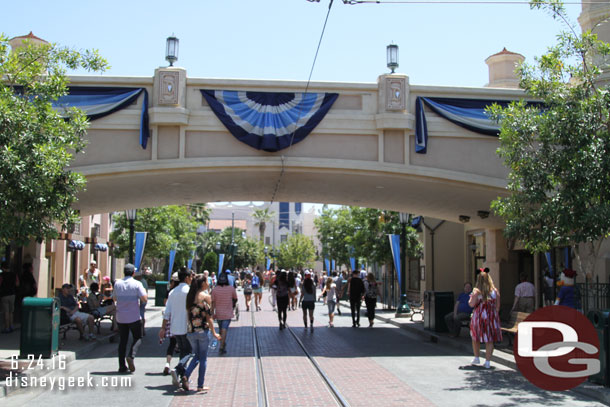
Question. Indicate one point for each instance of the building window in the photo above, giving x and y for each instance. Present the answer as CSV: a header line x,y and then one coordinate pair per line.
x,y
283,238
267,240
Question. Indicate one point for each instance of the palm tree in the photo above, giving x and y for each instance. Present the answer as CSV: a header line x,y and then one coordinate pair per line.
x,y
262,216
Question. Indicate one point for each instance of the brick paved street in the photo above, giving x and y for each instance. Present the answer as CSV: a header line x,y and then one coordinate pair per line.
x,y
383,366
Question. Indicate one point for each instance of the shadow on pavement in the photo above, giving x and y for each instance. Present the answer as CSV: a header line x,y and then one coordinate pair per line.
x,y
512,388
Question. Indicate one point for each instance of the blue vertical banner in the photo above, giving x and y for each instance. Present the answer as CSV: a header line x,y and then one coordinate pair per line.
x,y
189,264
221,261
395,245
268,263
550,263
172,257
566,262
327,263
140,243
352,263
333,267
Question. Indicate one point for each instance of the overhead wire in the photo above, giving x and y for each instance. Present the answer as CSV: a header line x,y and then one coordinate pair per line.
x,y
282,157
501,2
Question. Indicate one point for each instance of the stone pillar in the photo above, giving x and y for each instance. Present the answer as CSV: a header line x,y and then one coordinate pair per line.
x,y
496,254
594,17
502,69
18,42
169,87
393,93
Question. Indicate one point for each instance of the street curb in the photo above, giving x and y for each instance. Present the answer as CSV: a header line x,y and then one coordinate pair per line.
x,y
70,356
587,389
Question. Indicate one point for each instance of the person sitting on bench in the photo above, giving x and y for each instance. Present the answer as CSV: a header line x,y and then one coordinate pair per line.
x,y
70,306
461,312
96,308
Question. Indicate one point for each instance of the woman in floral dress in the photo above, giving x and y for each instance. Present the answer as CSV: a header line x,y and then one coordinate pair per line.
x,y
485,321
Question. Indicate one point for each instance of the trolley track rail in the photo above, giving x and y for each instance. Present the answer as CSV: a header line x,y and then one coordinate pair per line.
x,y
263,400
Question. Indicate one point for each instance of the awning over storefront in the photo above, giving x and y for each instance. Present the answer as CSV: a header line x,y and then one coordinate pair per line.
x,y
76,245
100,247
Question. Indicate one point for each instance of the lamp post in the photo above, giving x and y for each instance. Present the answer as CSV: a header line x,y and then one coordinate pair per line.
x,y
392,57
265,250
403,308
232,241
131,214
171,49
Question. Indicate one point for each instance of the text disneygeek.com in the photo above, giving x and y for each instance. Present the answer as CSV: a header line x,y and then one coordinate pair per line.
x,y
71,382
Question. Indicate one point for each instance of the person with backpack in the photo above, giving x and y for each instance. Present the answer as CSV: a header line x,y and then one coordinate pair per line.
x,y
308,299
371,291
257,289
247,285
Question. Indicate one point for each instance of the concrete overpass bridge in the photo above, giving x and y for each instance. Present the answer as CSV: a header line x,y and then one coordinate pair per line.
x,y
362,153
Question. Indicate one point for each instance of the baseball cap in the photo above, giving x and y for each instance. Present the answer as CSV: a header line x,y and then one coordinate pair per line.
x,y
106,278
93,262
175,276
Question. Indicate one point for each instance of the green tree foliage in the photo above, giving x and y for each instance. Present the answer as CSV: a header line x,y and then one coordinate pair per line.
x,y
361,233
298,252
167,227
248,252
210,262
262,217
37,189
559,153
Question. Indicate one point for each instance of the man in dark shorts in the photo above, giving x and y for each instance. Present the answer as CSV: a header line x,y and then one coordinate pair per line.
x,y
355,291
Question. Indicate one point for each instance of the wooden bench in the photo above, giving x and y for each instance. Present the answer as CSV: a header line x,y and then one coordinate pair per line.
x,y
512,325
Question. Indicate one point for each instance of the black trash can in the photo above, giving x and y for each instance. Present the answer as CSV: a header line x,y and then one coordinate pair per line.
x,y
437,304
39,327
160,293
600,320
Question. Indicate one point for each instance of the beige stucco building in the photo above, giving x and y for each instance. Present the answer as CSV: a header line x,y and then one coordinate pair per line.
x,y
364,153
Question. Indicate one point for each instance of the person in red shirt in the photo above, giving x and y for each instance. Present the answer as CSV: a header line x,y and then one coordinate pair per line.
x,y
224,297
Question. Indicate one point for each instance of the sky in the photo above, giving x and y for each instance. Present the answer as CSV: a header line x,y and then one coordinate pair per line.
x,y
440,44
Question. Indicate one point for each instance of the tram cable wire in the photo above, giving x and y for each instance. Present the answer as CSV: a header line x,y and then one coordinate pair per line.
x,y
501,2
282,157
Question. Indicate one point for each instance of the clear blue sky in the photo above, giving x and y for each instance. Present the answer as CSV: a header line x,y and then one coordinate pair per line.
x,y
440,44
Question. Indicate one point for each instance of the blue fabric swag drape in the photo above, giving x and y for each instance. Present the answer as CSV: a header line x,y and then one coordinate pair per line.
x,y
100,101
269,121
467,113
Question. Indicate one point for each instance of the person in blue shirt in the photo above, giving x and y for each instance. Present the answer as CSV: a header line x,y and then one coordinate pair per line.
x,y
231,278
567,294
461,311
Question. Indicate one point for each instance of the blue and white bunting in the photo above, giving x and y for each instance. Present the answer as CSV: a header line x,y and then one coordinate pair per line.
x,y
269,121
100,101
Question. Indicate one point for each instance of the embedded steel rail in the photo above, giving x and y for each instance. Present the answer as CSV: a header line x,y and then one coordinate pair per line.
x,y
331,386
263,401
